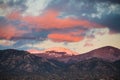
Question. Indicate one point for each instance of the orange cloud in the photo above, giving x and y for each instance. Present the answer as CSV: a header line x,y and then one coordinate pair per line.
x,y
64,37
50,20
9,32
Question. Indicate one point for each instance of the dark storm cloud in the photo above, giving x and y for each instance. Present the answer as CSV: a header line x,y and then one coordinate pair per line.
x,y
78,7
72,6
76,4
112,1
75,8
112,21
91,1
115,1
84,9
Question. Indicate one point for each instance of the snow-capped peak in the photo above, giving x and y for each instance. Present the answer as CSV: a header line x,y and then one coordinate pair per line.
x,y
61,49
53,52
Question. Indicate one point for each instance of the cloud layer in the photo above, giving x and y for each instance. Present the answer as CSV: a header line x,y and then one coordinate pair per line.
x,y
72,24
64,38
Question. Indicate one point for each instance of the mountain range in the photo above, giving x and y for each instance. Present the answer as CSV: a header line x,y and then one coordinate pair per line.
x,y
54,52
65,55
99,64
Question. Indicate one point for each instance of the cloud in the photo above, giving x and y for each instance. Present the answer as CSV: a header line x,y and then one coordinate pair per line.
x,y
50,20
112,21
64,37
87,8
95,31
110,1
9,31
82,46
8,6
14,15
79,25
6,42
38,26
35,7
103,9
107,39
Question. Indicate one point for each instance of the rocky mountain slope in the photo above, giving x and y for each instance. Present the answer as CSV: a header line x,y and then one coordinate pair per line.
x,y
99,64
15,61
107,53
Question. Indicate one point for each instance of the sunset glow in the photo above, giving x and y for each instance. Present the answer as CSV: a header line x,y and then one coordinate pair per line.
x,y
80,26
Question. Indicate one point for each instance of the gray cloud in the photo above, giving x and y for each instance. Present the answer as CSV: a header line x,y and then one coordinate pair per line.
x,y
104,12
112,21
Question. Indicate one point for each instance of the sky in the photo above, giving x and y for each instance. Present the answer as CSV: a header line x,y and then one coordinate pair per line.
x,y
79,25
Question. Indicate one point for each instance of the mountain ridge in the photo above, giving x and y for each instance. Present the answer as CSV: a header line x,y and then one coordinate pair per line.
x,y
22,61
107,53
54,52
14,63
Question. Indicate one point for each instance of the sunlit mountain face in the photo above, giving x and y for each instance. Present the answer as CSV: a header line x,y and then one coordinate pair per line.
x,y
76,25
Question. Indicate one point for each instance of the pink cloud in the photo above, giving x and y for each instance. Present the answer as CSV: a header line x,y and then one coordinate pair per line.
x,y
50,20
9,32
64,37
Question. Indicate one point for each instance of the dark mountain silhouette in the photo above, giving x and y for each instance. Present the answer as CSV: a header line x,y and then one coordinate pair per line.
x,y
15,61
117,64
99,64
93,69
107,53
